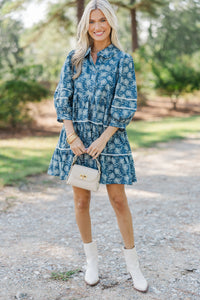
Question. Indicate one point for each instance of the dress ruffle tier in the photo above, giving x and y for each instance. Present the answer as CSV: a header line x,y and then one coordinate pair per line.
x,y
117,165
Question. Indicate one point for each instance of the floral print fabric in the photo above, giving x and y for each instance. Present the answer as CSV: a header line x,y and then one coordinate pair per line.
x,y
104,94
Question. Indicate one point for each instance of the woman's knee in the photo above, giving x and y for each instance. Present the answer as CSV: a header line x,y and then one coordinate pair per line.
x,y
118,199
119,203
81,199
82,204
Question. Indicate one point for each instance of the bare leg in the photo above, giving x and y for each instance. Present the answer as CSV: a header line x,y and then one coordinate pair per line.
x,y
118,200
82,205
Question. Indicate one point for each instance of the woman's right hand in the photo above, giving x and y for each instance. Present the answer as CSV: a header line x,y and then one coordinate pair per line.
x,y
77,147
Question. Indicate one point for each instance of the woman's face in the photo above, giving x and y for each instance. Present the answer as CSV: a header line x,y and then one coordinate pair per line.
x,y
99,28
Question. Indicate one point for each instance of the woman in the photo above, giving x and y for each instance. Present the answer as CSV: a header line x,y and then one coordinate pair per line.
x,y
96,100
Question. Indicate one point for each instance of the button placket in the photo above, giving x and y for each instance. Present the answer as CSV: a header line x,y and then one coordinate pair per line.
x,y
93,79
94,83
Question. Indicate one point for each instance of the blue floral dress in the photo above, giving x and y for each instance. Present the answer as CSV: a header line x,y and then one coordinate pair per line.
x,y
105,94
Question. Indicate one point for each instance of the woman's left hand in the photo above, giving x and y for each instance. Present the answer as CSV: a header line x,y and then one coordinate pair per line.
x,y
96,147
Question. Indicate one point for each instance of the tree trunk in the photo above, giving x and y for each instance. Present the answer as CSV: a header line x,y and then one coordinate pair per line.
x,y
134,30
174,100
80,9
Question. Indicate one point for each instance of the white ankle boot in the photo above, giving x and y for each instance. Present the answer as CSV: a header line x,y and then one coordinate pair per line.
x,y
132,263
91,274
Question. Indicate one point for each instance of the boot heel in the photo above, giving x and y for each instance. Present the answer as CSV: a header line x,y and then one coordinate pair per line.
x,y
132,264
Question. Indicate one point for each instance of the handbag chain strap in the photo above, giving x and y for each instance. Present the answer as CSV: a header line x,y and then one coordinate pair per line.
x,y
97,161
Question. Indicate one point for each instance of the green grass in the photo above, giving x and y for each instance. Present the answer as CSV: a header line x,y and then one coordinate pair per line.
x,y
64,276
22,157
29,156
148,134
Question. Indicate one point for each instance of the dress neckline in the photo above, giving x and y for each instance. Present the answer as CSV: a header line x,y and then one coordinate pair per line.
x,y
106,52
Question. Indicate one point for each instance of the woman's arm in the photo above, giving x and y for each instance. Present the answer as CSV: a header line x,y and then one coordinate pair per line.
x,y
106,135
69,128
76,146
99,144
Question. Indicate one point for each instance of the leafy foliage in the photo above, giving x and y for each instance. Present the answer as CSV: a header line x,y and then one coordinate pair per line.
x,y
13,96
166,61
10,50
172,49
176,32
18,83
177,78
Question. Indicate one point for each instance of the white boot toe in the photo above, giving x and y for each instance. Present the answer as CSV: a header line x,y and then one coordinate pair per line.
x,y
140,283
91,277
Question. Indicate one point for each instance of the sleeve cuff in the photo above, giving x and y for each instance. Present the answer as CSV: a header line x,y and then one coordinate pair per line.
x,y
117,124
62,115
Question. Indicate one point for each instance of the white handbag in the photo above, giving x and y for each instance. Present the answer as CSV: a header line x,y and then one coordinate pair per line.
x,y
84,177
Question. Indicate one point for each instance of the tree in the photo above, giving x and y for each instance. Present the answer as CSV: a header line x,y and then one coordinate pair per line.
x,y
18,83
80,9
173,46
133,6
177,78
176,31
10,50
59,12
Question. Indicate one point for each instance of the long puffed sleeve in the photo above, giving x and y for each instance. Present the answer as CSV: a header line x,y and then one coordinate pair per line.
x,y
64,92
124,103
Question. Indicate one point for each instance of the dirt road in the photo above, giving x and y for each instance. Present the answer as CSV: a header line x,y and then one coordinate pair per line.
x,y
39,233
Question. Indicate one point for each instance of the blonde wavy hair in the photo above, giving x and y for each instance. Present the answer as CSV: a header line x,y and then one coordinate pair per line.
x,y
83,38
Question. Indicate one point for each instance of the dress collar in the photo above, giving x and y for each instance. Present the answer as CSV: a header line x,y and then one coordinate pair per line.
x,y
106,52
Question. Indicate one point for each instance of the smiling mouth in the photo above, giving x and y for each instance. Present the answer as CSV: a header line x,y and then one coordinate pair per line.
x,y
99,33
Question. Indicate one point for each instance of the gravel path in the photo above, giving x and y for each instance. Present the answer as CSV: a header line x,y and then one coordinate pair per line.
x,y
39,233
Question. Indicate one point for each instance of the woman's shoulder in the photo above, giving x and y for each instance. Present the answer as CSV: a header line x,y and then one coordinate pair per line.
x,y
71,53
68,58
122,55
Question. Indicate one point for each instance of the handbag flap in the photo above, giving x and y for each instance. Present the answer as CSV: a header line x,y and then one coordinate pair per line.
x,y
84,173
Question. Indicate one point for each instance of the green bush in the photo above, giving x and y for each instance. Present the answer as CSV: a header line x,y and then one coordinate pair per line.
x,y
14,94
18,79
177,77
